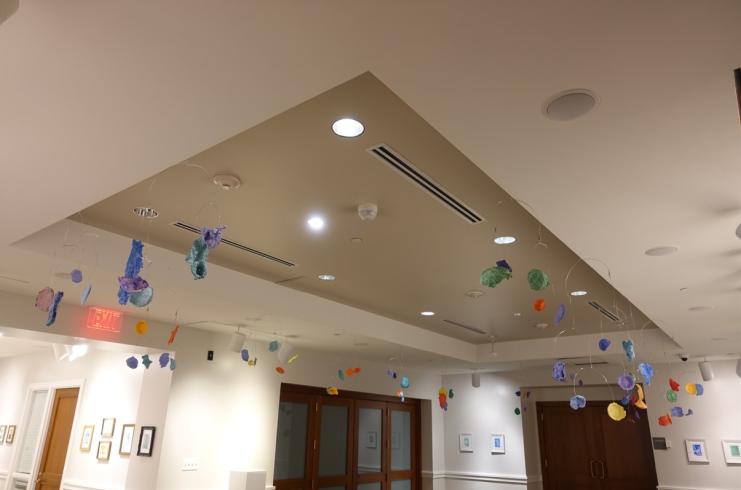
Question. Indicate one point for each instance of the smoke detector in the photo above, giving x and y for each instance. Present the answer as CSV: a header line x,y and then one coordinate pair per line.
x,y
227,182
367,211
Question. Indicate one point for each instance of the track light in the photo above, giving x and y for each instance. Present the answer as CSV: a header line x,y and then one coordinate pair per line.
x,y
706,370
237,342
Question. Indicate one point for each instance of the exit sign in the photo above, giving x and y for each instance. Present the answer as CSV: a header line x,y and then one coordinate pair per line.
x,y
104,319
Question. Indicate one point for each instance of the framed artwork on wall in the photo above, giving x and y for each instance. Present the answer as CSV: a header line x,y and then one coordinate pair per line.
x,y
10,436
107,428
371,441
127,440
104,450
497,444
146,441
3,428
732,451
86,442
696,451
465,443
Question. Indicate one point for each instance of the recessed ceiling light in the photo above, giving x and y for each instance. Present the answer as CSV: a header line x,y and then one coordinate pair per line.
x,y
326,277
700,308
361,344
578,293
348,127
504,240
541,326
474,293
144,212
661,251
517,315
569,105
316,223
227,182
356,240
427,313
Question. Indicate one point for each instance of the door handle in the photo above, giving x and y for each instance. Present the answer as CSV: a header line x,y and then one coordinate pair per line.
x,y
602,472
591,468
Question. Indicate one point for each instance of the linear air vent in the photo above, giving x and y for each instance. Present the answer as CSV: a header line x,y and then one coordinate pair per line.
x,y
239,246
467,327
613,317
595,363
389,156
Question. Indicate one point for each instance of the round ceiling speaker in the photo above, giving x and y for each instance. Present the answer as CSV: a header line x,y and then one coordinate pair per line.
x,y
569,105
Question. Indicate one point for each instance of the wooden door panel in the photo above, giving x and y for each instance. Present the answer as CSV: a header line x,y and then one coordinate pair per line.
x,y
566,449
627,453
57,439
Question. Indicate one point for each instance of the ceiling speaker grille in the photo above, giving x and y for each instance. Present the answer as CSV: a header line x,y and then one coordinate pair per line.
x,y
239,246
387,155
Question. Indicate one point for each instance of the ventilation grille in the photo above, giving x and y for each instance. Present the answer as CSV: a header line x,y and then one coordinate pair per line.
x,y
412,173
607,313
467,327
239,246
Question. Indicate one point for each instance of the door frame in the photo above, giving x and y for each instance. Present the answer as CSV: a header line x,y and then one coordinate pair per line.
x,y
52,387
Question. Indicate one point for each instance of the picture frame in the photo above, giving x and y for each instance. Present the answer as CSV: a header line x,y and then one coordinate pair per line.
x,y
146,441
3,428
371,440
127,439
104,451
732,451
86,441
465,443
696,451
108,427
10,435
496,445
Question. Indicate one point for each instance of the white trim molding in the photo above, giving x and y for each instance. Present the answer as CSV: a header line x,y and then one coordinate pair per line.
x,y
79,485
482,477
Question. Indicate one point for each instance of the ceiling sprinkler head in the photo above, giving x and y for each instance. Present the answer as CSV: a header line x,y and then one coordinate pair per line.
x,y
227,182
367,211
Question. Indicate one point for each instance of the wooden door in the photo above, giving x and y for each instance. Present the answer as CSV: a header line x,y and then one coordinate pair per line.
x,y
57,439
626,452
371,440
566,448
586,449
334,443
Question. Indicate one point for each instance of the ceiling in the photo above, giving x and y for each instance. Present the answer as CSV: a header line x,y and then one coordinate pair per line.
x,y
99,98
11,347
419,254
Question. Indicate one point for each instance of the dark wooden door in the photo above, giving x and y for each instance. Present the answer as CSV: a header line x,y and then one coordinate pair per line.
x,y
586,450
57,439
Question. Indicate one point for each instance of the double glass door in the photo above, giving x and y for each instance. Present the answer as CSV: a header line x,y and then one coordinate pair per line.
x,y
346,443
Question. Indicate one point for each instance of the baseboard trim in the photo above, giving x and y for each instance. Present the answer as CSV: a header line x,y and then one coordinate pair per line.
x,y
79,485
677,487
482,477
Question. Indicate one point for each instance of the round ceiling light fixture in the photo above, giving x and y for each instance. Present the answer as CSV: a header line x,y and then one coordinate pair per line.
x,y
326,277
505,240
578,293
316,223
661,251
227,182
569,105
348,127
427,313
145,212
474,293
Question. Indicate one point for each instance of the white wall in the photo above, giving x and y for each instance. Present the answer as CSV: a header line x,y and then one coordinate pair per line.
x,y
224,413
717,415
110,390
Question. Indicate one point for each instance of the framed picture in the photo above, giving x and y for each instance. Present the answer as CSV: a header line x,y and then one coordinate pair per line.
x,y
731,451
3,428
10,436
696,452
127,440
371,440
497,444
109,425
146,441
86,442
104,450
465,443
